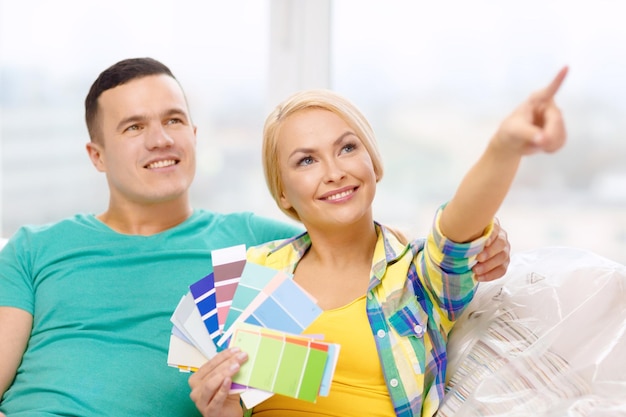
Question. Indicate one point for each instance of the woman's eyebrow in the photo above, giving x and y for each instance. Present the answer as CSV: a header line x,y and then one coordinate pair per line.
x,y
336,142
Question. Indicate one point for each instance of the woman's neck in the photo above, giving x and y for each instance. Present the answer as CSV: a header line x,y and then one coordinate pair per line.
x,y
343,246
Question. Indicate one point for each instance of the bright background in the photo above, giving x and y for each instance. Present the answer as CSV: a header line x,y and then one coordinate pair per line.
x,y
434,78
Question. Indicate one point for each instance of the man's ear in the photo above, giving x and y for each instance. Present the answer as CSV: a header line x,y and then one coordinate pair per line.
x,y
95,154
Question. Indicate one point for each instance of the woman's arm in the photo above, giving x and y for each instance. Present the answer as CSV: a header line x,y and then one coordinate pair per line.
x,y
535,126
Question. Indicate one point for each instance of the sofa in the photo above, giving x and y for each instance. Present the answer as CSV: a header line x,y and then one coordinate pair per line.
x,y
546,340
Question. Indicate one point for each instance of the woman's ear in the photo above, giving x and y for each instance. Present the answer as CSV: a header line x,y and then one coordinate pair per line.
x,y
95,154
284,203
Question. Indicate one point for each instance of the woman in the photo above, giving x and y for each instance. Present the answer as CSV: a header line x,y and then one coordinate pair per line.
x,y
388,303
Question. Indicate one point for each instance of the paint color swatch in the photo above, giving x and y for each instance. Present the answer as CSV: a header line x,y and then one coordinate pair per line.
x,y
253,279
189,326
288,308
269,298
203,292
279,362
329,370
184,356
263,311
228,265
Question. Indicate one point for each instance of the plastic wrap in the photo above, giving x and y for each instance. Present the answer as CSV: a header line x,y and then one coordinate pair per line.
x,y
547,339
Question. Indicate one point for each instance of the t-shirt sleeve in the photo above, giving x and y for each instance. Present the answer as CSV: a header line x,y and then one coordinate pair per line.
x,y
16,281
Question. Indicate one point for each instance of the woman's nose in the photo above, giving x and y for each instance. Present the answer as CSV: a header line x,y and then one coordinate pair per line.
x,y
334,171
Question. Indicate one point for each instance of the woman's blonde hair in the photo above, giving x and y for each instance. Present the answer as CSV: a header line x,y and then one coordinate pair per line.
x,y
304,100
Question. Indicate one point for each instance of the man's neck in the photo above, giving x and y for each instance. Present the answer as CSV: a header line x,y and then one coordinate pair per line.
x,y
146,220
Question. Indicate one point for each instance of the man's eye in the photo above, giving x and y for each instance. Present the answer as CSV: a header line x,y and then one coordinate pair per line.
x,y
174,121
132,128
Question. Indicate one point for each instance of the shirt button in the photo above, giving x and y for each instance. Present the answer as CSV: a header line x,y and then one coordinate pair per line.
x,y
380,333
418,329
369,295
393,382
416,368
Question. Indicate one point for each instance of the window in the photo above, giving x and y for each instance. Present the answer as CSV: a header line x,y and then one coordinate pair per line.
x,y
434,78
51,52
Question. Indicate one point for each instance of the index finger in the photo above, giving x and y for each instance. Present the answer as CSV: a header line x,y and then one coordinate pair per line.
x,y
547,93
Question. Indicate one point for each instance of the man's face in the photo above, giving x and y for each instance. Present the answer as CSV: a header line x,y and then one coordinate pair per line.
x,y
146,141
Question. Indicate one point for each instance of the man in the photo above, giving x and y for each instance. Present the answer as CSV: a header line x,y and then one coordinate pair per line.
x,y
85,302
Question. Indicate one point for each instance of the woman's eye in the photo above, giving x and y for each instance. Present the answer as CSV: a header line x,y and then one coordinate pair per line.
x,y
348,148
307,160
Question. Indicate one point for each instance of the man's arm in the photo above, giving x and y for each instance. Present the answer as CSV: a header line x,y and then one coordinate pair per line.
x,y
15,328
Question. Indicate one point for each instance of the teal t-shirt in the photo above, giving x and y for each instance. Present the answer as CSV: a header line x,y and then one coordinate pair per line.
x,y
101,304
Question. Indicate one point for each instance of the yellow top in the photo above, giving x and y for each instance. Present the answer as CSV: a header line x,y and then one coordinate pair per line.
x,y
358,387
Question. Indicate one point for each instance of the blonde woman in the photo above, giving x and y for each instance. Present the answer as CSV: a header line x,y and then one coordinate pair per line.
x,y
390,304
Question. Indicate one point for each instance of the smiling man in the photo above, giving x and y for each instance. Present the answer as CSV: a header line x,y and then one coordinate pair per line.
x,y
143,138
85,302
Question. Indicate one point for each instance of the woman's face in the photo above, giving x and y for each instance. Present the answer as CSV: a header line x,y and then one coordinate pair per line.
x,y
327,174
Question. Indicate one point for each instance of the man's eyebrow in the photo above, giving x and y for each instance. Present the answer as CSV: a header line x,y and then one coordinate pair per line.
x,y
174,111
130,119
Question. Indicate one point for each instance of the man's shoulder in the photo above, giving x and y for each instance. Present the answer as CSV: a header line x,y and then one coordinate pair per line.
x,y
243,227
238,218
72,222
33,237
206,218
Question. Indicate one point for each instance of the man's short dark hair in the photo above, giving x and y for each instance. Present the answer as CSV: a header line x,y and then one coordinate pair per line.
x,y
118,74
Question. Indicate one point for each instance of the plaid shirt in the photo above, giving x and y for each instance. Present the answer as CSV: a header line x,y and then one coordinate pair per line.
x,y
415,294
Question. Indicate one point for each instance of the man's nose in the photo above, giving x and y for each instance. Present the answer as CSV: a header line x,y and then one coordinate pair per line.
x,y
158,137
